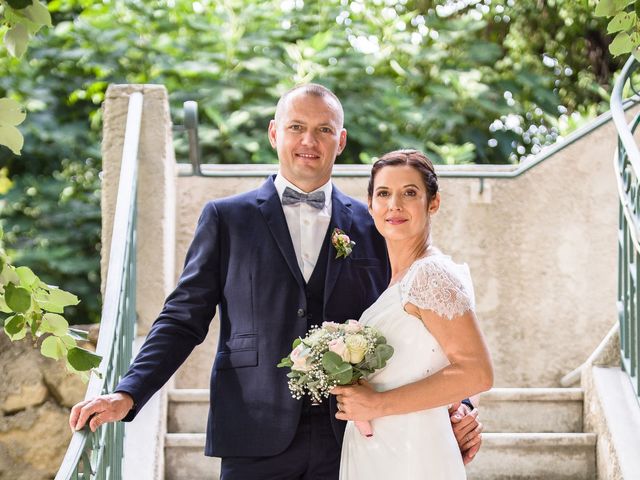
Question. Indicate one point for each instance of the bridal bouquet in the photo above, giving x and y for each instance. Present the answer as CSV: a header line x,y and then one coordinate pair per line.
x,y
335,354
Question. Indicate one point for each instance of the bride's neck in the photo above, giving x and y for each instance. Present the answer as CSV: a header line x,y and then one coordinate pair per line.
x,y
401,257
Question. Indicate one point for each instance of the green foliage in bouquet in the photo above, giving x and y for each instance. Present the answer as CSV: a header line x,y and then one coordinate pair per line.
x,y
29,306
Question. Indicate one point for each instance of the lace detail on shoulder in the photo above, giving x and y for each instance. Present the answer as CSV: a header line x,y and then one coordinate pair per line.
x,y
438,284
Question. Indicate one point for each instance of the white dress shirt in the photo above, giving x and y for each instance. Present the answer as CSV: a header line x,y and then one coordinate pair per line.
x,y
307,225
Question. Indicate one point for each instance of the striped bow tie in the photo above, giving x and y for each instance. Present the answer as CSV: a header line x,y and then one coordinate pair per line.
x,y
292,197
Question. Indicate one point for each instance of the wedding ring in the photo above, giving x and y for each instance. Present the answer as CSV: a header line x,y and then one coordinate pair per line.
x,y
339,407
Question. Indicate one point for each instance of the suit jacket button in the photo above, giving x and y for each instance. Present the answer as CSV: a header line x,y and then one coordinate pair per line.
x,y
301,312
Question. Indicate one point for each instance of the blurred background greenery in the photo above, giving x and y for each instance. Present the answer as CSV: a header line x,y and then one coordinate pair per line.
x,y
488,81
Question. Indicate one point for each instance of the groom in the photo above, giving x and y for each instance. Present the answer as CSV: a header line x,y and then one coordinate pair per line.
x,y
265,258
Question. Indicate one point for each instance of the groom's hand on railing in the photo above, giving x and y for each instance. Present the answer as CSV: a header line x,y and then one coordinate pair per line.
x,y
100,410
467,430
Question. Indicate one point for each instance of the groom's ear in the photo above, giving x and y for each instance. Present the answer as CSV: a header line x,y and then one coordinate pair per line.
x,y
343,140
272,133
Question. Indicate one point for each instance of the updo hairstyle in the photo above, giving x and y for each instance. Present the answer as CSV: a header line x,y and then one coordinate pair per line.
x,y
411,158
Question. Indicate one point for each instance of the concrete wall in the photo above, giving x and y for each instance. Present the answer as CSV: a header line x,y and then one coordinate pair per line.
x,y
541,247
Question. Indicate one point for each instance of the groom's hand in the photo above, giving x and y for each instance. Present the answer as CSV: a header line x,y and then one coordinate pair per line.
x,y
467,430
100,410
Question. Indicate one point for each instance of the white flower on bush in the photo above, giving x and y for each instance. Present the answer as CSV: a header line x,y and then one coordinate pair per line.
x,y
300,356
357,347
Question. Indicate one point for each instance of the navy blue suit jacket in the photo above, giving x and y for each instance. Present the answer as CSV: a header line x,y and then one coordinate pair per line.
x,y
242,259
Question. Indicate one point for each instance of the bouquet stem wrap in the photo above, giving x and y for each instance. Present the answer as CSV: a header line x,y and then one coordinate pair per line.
x,y
364,427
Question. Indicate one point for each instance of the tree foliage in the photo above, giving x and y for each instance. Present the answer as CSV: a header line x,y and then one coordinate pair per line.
x,y
465,81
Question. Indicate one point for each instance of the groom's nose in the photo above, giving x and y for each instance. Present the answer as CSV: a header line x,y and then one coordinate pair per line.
x,y
309,138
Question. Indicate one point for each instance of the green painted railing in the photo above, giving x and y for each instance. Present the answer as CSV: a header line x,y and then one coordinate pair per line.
x,y
627,166
99,455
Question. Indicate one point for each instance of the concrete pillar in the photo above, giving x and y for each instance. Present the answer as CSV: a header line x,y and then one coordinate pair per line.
x,y
144,437
156,194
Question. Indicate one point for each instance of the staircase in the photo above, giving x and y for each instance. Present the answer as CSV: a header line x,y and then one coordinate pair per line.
x,y
534,433
530,433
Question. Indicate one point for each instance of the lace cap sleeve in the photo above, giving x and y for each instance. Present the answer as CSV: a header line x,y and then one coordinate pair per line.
x,y
438,284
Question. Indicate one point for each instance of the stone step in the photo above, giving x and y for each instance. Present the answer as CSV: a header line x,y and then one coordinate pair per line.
x,y
184,458
504,456
535,456
188,410
542,410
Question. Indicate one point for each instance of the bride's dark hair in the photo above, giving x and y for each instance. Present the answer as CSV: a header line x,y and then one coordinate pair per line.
x,y
411,158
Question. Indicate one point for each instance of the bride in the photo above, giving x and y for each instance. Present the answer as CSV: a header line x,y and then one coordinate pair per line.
x,y
427,315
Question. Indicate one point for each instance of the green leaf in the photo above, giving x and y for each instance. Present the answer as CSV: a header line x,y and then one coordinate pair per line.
x,y
16,40
27,277
18,4
3,306
62,298
338,369
54,323
14,325
82,359
621,45
38,14
296,342
53,347
622,21
18,298
384,352
609,8
11,112
68,341
285,362
8,275
12,138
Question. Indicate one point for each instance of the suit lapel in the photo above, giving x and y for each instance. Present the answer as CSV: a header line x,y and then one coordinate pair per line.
x,y
271,209
341,217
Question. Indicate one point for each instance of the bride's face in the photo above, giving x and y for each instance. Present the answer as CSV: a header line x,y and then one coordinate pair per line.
x,y
400,205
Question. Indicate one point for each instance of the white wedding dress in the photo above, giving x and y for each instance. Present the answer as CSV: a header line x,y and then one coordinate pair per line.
x,y
418,445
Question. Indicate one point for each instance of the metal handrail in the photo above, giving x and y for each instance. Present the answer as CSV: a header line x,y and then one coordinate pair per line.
x,y
99,455
627,167
477,171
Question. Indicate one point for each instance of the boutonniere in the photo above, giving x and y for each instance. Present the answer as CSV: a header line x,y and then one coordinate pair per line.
x,y
342,243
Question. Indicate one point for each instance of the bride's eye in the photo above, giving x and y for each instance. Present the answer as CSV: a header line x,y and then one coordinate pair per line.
x,y
382,193
410,193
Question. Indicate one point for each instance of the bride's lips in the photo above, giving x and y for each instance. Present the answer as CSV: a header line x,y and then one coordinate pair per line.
x,y
396,220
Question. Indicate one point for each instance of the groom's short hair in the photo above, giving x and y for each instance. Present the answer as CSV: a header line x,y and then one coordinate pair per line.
x,y
313,89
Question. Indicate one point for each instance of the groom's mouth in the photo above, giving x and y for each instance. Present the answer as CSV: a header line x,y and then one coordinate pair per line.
x,y
307,156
